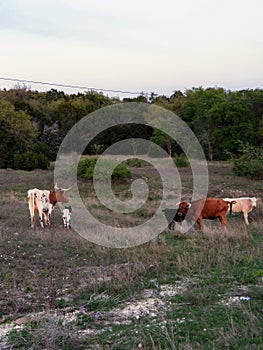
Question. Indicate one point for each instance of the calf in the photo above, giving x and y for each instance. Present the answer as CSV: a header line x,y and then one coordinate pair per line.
x,y
244,204
206,208
66,215
42,202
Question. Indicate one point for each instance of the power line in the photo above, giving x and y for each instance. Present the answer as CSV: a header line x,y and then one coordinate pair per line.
x,y
69,86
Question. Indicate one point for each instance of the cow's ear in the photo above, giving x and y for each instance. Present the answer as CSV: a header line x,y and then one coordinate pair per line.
x,y
189,205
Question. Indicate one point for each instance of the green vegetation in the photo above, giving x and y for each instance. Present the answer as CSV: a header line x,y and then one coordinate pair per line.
x,y
250,162
30,160
86,169
181,161
33,121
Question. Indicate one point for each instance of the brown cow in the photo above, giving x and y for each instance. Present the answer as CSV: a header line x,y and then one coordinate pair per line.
x,y
42,202
206,208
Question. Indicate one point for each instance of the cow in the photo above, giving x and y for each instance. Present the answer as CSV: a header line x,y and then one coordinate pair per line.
x,y
42,202
66,215
205,208
244,204
38,202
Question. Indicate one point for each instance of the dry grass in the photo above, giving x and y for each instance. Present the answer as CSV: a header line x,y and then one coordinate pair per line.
x,y
72,294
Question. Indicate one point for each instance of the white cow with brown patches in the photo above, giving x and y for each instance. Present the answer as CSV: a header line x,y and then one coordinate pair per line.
x,y
244,204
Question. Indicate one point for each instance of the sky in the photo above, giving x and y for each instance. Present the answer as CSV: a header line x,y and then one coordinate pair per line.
x,y
136,46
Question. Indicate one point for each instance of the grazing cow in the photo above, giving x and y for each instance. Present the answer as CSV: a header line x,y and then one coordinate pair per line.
x,y
244,204
42,202
66,215
206,208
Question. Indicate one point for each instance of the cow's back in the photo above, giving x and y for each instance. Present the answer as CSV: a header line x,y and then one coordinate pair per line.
x,y
208,208
242,204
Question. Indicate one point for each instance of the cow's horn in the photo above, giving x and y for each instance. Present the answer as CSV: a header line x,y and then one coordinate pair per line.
x,y
66,189
56,186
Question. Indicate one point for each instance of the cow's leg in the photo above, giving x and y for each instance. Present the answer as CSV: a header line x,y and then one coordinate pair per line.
x,y
40,216
32,221
32,217
39,210
223,221
246,217
200,223
31,210
41,221
171,225
45,217
50,208
49,218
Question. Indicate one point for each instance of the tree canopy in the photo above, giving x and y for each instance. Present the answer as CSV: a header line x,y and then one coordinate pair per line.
x,y
32,121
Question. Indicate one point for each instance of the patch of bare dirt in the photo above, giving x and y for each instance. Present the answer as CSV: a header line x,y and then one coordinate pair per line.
x,y
153,303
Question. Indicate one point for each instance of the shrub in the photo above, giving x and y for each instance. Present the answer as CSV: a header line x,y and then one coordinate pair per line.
x,y
252,168
46,149
86,169
250,163
136,162
181,161
30,161
84,164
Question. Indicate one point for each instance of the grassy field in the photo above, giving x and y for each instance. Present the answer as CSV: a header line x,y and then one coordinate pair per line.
x,y
179,291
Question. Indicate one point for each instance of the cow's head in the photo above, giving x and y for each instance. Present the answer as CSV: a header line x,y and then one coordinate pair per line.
x,y
182,211
60,194
170,215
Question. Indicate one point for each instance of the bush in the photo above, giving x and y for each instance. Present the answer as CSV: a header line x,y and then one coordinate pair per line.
x,y
30,161
44,148
86,169
181,161
252,168
250,163
84,164
136,162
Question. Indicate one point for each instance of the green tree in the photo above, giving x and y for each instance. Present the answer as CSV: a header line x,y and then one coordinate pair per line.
x,y
198,114
163,140
17,133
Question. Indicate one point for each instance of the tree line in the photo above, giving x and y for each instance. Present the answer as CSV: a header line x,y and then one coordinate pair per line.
x,y
33,124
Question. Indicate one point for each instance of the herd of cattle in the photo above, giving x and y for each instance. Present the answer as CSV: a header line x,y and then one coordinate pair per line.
x,y
42,202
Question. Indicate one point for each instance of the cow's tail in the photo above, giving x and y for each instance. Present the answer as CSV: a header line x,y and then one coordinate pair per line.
x,y
230,206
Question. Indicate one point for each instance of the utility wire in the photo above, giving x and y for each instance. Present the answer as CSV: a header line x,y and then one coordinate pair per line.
x,y
69,86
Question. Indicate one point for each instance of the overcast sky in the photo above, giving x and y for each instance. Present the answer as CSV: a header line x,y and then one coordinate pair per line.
x,y
138,45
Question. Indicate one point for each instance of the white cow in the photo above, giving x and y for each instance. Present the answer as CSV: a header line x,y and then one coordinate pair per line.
x,y
244,204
